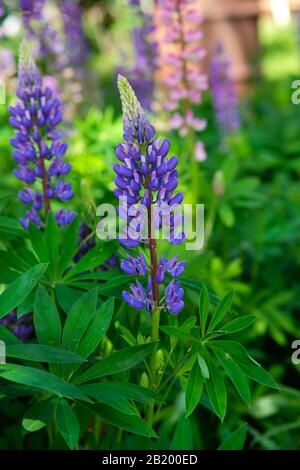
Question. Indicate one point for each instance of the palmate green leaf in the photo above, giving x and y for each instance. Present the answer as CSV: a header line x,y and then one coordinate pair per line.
x,y
39,415
119,361
130,423
93,259
194,389
249,366
19,290
177,333
79,319
236,440
46,319
132,392
97,329
238,324
235,374
203,309
67,423
42,353
221,311
109,397
41,380
216,389
69,245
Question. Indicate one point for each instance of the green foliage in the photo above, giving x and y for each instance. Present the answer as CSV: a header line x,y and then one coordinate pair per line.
x,y
214,360
84,380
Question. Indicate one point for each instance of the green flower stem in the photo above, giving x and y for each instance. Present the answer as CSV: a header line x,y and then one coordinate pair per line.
x,y
153,371
155,314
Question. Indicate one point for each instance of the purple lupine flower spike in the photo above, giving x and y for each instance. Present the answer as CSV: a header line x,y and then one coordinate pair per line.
x,y
146,180
224,95
38,150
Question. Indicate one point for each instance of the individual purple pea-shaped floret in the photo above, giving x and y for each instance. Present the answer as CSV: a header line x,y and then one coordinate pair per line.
x,y
137,298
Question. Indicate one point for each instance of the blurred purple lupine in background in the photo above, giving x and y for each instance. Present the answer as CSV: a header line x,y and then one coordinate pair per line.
x,y
182,52
39,27
61,49
146,176
76,47
7,65
38,149
141,74
21,327
224,95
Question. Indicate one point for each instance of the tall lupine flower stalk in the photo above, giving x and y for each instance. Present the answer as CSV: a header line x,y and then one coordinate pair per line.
x,y
224,95
38,149
141,74
38,28
182,52
76,46
146,179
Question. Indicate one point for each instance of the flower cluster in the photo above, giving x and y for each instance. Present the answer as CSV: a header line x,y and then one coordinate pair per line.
x,y
21,327
224,94
181,54
141,74
39,28
146,180
38,149
74,39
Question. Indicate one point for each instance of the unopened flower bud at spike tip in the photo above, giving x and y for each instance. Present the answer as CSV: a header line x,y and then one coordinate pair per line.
x,y
137,128
27,69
